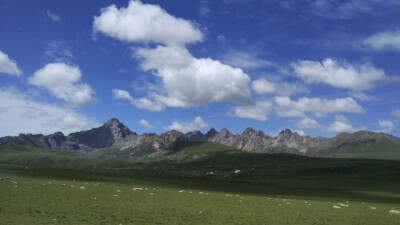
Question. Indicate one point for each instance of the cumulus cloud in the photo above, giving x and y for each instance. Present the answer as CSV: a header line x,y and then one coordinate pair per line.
x,y
285,107
62,81
145,124
354,77
339,126
263,86
386,126
362,96
141,22
258,111
197,124
185,81
387,40
189,81
141,103
21,114
307,123
8,66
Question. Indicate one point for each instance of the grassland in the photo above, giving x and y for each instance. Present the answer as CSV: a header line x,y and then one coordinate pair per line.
x,y
269,189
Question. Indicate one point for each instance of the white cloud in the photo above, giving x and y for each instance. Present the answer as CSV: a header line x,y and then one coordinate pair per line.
x,y
8,66
58,51
307,123
141,22
354,77
386,126
145,124
338,9
62,81
258,111
339,126
246,60
285,107
197,124
53,16
342,119
396,113
204,9
188,81
185,81
361,96
262,86
20,114
387,40
142,103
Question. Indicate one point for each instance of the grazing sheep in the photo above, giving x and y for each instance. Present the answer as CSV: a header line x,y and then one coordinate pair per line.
x,y
336,207
342,205
394,212
237,171
82,187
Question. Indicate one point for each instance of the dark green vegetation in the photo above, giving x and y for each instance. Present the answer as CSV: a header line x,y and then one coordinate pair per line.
x,y
269,189
366,145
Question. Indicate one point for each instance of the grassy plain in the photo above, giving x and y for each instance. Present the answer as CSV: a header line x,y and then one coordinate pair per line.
x,y
176,189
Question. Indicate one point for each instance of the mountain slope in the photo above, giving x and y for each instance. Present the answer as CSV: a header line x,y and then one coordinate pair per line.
x,y
112,139
115,140
361,144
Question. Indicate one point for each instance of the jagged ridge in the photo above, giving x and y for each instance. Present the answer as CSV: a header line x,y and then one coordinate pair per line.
x,y
114,139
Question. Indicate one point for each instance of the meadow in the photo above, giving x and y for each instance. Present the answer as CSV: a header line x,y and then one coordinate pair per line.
x,y
46,187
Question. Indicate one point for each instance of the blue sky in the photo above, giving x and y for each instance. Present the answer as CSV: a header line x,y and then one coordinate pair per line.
x,y
319,67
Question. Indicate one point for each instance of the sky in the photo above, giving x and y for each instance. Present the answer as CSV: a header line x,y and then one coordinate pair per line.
x,y
318,67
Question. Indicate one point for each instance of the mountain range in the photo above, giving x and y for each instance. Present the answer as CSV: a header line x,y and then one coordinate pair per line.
x,y
113,139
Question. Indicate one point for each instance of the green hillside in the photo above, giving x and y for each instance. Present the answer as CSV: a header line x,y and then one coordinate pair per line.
x,y
204,183
368,145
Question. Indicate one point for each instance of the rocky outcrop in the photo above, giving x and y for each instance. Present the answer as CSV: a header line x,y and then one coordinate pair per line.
x,y
56,141
111,133
257,141
113,139
5,139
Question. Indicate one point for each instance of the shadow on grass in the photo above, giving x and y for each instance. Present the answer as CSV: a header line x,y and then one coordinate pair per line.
x,y
276,186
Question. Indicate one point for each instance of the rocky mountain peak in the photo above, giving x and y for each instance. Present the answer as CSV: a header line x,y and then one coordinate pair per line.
x,y
112,122
225,133
250,132
286,131
107,135
195,136
117,129
171,140
211,133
